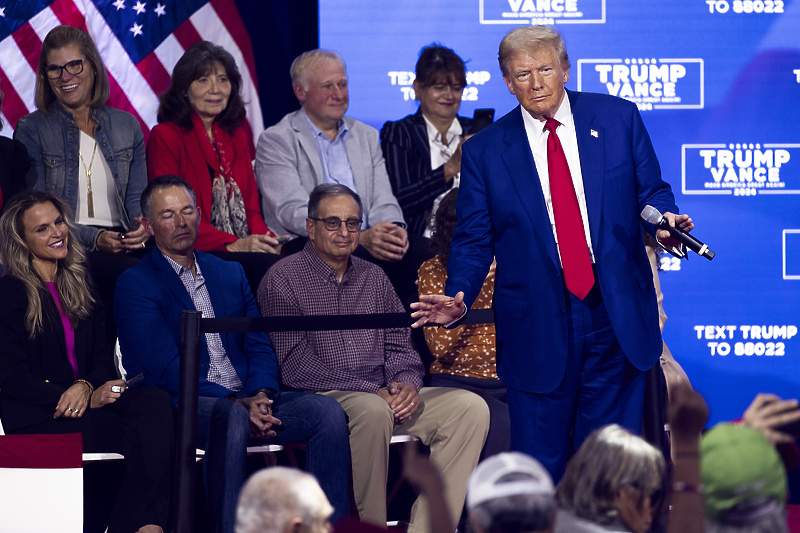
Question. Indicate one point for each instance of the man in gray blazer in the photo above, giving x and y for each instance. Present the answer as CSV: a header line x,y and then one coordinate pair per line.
x,y
318,144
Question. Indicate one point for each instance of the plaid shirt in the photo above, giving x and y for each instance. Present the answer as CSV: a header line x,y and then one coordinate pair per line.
x,y
354,360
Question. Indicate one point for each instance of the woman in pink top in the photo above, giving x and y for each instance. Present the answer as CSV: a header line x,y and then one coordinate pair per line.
x,y
57,371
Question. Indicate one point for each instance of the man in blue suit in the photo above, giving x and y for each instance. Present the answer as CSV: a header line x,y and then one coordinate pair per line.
x,y
577,320
239,393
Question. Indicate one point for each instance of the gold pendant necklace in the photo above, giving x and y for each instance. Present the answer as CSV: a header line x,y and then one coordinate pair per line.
x,y
89,196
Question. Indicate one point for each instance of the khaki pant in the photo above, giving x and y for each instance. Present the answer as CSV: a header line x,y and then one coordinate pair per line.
x,y
452,422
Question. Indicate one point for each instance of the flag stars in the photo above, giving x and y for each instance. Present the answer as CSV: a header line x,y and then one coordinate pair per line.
x,y
3,12
139,7
136,29
119,4
160,10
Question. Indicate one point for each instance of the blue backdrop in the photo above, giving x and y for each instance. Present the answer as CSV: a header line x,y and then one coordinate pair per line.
x,y
718,83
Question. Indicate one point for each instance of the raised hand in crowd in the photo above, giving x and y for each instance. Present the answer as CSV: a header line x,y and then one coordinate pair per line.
x,y
688,414
768,413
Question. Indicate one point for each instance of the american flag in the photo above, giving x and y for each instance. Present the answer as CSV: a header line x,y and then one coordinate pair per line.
x,y
140,42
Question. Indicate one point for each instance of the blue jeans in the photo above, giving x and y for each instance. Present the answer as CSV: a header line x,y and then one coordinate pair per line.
x,y
223,431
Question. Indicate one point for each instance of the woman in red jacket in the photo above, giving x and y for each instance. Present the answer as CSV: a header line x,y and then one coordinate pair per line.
x,y
201,139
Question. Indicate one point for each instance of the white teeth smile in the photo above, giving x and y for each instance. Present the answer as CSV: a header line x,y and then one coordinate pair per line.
x,y
69,87
58,244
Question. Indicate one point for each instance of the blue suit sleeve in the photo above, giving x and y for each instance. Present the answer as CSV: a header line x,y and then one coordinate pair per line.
x,y
147,342
652,189
472,246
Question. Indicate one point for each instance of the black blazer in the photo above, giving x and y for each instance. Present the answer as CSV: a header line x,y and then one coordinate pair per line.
x,y
34,374
407,151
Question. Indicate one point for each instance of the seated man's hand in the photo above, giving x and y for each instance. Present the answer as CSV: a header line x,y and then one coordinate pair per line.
x,y
768,413
680,221
402,398
385,241
255,243
437,309
261,420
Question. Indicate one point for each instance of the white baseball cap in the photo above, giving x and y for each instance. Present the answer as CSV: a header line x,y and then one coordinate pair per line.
x,y
486,483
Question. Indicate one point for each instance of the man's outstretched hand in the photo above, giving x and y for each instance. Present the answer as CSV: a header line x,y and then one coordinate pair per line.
x,y
437,309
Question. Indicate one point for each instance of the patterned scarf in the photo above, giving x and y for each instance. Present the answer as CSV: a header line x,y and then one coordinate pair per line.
x,y
227,205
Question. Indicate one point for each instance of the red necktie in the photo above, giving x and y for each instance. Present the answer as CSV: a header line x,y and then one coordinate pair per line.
x,y
575,259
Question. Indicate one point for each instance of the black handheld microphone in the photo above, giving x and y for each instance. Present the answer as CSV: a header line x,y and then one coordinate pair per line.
x,y
653,216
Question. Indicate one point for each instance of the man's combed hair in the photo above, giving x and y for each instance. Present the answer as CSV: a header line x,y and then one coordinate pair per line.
x,y
527,38
326,190
72,276
162,182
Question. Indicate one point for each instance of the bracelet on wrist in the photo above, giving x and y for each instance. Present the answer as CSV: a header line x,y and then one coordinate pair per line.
x,y
91,387
692,488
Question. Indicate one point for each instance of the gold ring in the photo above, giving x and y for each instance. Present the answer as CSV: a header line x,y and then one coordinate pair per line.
x,y
412,403
142,245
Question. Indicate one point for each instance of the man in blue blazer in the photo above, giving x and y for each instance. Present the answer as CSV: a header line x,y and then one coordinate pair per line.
x,y
239,392
571,362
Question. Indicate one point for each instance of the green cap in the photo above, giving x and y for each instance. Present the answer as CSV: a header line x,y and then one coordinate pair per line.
x,y
738,466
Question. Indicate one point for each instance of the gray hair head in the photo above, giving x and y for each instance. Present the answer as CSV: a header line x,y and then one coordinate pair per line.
x,y
274,496
310,59
610,459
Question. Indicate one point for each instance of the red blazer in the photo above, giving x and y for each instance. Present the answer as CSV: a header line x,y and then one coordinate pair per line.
x,y
173,150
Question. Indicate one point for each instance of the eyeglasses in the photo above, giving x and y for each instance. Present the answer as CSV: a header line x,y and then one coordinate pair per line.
x,y
334,223
74,67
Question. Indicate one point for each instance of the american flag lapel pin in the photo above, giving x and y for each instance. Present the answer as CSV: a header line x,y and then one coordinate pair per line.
x,y
594,133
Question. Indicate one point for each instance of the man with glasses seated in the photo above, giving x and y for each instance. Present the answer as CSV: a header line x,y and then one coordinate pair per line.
x,y
375,374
